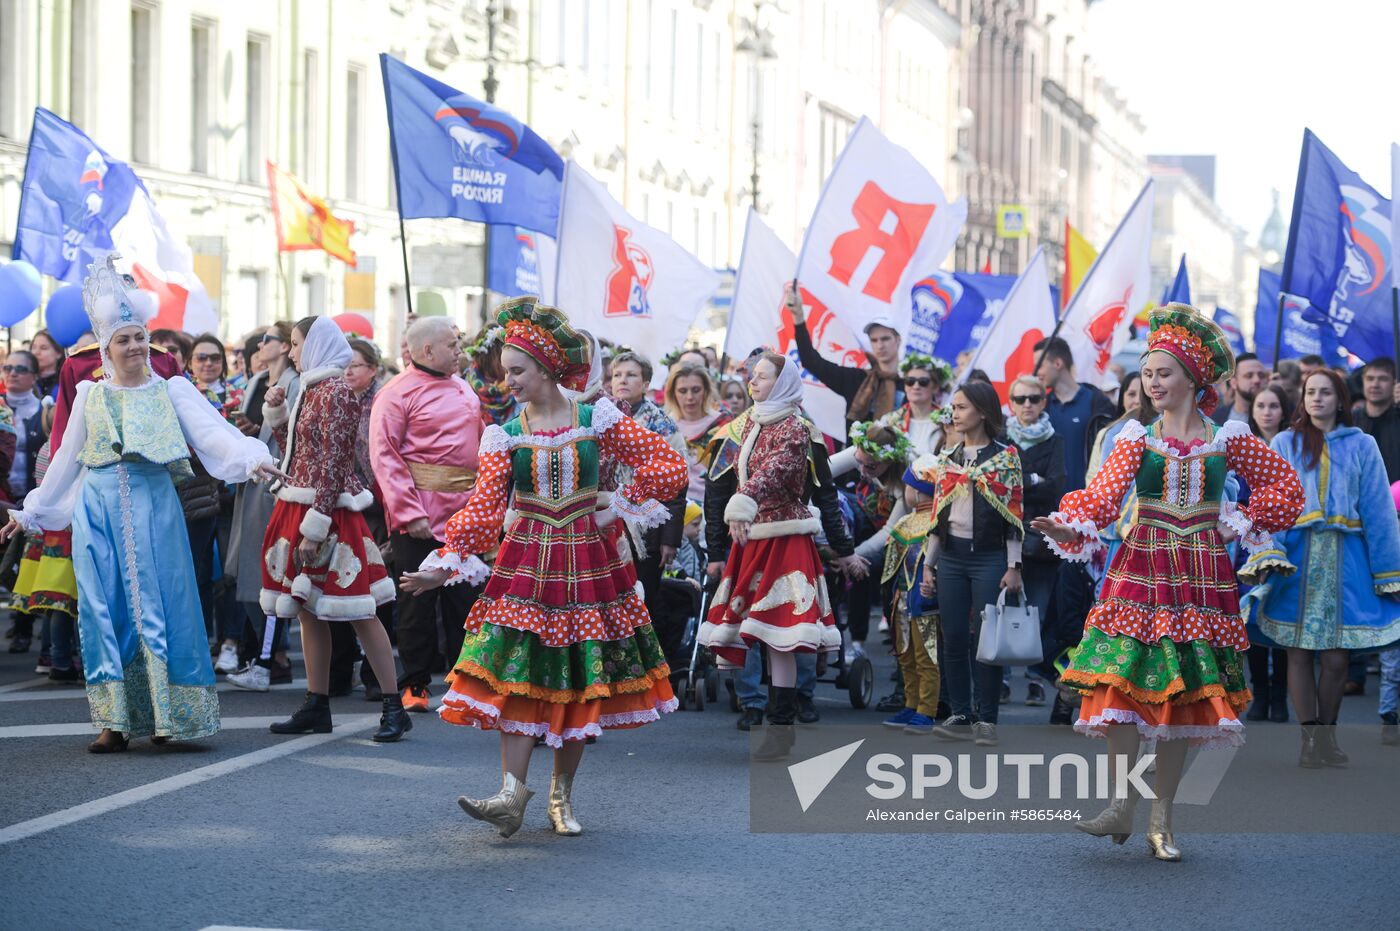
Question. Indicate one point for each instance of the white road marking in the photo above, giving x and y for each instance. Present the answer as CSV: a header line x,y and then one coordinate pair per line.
x,y
87,729
43,693
102,806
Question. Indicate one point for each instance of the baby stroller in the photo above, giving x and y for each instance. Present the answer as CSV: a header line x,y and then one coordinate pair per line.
x,y
694,675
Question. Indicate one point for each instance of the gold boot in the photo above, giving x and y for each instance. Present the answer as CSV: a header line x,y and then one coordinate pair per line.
x,y
505,809
1159,832
561,806
1115,821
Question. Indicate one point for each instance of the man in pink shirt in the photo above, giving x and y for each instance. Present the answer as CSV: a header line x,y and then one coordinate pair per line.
x,y
424,430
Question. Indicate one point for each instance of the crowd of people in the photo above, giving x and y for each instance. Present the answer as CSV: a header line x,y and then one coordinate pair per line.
x,y
536,517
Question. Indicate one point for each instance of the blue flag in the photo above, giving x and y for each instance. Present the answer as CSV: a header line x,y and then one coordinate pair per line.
x,y
952,311
455,156
1230,326
73,195
1339,251
1180,289
517,267
1301,336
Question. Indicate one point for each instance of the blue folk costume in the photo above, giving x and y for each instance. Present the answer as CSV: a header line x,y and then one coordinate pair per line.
x,y
1346,546
145,652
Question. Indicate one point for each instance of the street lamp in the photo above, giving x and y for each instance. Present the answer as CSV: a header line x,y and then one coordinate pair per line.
x,y
758,43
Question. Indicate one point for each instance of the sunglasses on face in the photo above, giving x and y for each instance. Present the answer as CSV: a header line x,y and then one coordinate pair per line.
x,y
271,338
17,370
922,381
1027,398
208,356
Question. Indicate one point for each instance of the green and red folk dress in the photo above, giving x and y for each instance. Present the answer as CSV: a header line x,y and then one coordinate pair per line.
x,y
1164,644
559,645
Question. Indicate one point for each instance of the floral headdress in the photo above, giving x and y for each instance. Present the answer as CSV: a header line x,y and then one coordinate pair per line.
x,y
883,452
545,334
1194,341
485,341
917,360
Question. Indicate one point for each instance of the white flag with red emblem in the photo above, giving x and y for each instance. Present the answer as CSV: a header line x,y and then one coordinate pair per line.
x,y
1025,317
1096,322
881,223
759,317
163,264
623,280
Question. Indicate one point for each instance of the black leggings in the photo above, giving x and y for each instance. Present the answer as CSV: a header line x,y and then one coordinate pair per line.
x,y
968,581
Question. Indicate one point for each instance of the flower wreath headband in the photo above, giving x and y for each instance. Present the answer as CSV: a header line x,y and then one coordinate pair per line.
x,y
488,338
884,452
917,360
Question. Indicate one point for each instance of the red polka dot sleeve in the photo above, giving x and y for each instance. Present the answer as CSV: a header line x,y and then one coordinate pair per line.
x,y
476,528
1091,509
1276,497
659,472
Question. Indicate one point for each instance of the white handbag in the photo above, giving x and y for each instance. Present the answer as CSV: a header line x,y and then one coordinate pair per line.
x,y
1010,634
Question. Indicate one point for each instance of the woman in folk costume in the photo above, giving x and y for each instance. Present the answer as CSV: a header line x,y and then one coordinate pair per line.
x,y
920,416
772,590
320,562
127,442
1162,652
559,645
1347,550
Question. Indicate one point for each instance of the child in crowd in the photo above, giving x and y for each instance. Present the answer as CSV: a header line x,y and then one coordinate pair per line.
x,y
913,618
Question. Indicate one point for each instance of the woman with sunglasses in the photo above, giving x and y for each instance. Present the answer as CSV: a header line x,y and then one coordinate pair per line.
x,y
24,410
923,377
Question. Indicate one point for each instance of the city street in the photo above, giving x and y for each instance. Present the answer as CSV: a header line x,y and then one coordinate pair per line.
x,y
336,832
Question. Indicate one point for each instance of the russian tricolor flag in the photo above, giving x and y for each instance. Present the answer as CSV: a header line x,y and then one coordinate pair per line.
x,y
78,203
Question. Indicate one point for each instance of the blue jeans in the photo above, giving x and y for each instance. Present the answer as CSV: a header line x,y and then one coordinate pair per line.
x,y
967,581
1390,679
62,643
748,682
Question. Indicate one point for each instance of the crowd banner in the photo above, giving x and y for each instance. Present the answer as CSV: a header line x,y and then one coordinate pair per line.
x,y
521,262
1025,318
621,279
77,203
1230,325
881,222
1339,242
1301,335
1097,321
759,316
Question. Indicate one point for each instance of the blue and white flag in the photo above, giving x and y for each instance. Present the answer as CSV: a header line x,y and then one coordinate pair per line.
x,y
1179,291
1339,249
78,203
1301,336
1230,325
522,262
456,156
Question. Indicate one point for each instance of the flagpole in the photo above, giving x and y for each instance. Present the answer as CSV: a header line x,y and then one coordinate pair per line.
x,y
1278,329
1395,318
398,184
1295,223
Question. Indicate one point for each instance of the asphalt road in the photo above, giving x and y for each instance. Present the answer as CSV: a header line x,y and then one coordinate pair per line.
x,y
335,832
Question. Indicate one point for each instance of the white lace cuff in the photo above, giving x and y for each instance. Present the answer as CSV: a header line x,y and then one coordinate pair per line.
x,y
1254,541
1082,549
29,522
646,515
470,570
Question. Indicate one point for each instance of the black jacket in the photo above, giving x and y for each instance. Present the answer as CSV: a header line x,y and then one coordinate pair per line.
x,y
1041,495
989,529
819,489
845,380
1385,430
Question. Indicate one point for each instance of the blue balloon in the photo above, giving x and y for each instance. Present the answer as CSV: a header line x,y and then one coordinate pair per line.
x,y
65,317
20,290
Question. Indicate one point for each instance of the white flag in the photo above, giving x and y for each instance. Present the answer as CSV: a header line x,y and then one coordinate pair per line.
x,y
621,279
1117,286
1025,317
881,223
759,317
1395,215
163,264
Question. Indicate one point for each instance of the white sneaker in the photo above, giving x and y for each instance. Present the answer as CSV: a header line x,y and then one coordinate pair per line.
x,y
228,659
255,678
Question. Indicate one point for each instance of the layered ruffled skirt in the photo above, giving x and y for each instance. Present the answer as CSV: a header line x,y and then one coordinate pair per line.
x,y
46,580
773,593
559,644
1163,646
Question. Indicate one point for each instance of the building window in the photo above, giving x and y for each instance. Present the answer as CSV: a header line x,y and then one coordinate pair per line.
x,y
202,70
833,128
309,151
672,75
354,130
256,61
80,64
246,310
143,82
9,68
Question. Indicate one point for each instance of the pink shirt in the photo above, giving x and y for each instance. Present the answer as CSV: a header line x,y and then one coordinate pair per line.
x,y
419,417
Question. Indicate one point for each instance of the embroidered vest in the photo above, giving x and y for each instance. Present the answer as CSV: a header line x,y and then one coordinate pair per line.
x,y
134,423
555,478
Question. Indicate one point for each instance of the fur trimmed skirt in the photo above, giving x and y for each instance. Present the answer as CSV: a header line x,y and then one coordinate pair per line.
x,y
347,581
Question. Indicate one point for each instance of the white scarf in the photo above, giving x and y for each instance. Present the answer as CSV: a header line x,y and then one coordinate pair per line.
x,y
784,401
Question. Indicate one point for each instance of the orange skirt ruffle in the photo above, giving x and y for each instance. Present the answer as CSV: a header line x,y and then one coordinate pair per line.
x,y
1208,722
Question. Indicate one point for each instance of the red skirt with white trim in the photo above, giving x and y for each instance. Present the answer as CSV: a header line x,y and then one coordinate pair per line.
x,y
773,593
348,580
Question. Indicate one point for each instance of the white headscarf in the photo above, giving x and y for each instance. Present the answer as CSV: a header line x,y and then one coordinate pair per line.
x,y
784,400
325,347
595,374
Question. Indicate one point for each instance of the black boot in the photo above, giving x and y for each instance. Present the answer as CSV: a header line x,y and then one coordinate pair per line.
x,y
313,717
1061,712
394,722
1258,709
780,734
1327,750
1278,695
1308,757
